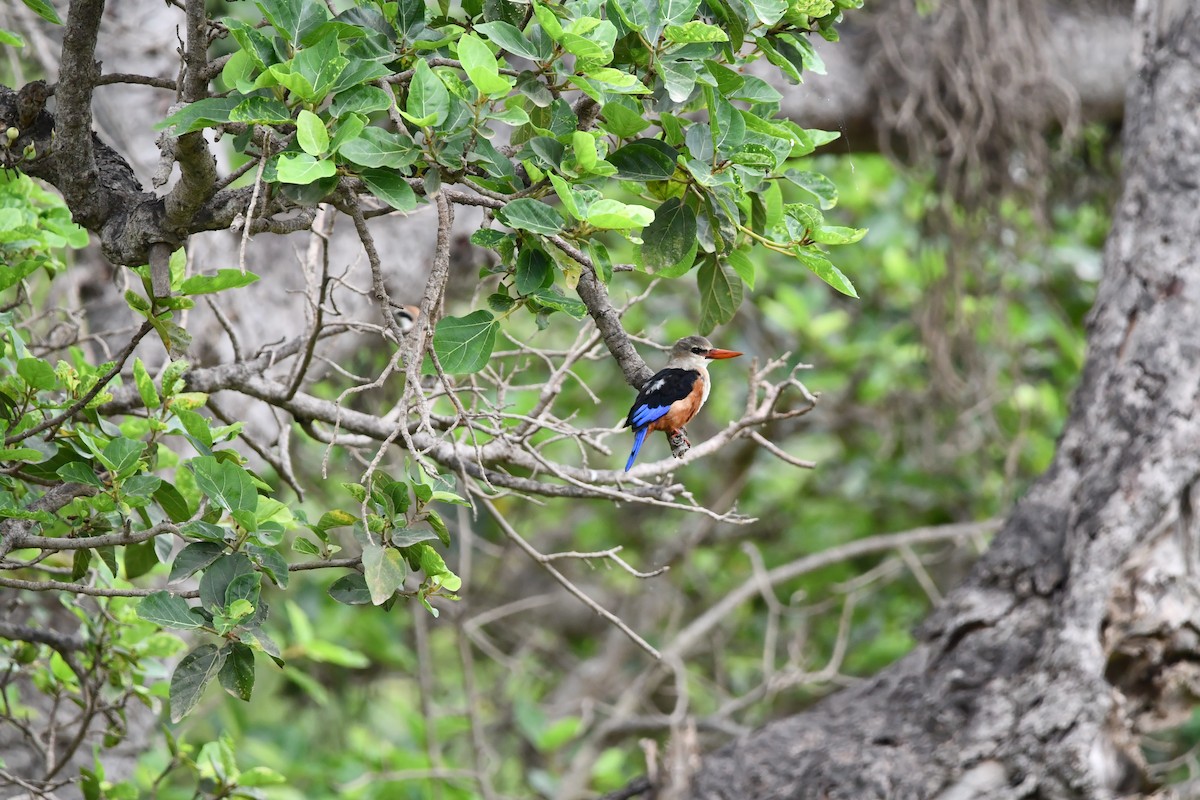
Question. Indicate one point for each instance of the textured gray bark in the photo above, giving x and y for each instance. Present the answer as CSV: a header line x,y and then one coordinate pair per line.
x,y
1076,631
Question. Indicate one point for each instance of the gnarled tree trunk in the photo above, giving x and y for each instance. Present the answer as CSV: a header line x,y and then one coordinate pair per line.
x,y
1077,631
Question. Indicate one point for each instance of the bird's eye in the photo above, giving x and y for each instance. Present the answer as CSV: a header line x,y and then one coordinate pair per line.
x,y
697,350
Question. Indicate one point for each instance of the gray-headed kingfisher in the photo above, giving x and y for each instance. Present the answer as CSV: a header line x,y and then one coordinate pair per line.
x,y
670,399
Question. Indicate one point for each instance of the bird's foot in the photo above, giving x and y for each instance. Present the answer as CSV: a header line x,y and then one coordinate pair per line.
x,y
679,443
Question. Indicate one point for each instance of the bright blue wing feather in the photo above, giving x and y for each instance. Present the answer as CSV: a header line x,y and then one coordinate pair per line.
x,y
639,436
645,414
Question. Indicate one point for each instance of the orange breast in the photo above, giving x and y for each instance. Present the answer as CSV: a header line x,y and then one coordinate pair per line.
x,y
681,411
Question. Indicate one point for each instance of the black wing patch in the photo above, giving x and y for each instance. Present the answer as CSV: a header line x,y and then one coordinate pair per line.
x,y
655,399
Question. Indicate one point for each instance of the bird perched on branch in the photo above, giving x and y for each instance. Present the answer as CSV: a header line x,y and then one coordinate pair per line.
x,y
670,399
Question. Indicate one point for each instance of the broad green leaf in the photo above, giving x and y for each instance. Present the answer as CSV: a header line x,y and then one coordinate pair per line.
x,y
720,294
11,39
670,241
481,67
622,121
225,483
172,502
390,187
302,169
534,271
694,31
260,776
169,611
588,54
193,558
218,576
237,675
548,21
36,373
614,215
675,12
247,587
311,133
742,265
191,677
550,298
768,11
140,558
260,110
836,234
679,79
428,100
644,160
530,215
816,184
584,146
360,100
351,590
384,570
824,269
294,19
224,279
121,455
464,344
376,147
201,114
511,39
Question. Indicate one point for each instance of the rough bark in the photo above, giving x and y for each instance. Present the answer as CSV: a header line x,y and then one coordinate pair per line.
x,y
1075,632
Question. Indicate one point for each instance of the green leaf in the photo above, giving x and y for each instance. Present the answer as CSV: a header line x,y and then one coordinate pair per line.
x,y
836,234
351,590
139,559
172,502
260,776
615,215
79,472
191,677
43,10
237,676
219,576
121,455
621,121
816,184
742,265
768,11
246,586
481,67
303,169
670,241
428,100
169,611
360,100
311,133
201,114
694,31
531,215
224,279
193,558
556,301
824,269
720,294
145,385
376,147
393,189
644,161
464,344
677,11
511,39
36,373
261,111
11,39
225,483
534,271
384,570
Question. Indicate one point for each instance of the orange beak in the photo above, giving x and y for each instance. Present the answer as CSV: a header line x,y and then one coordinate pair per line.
x,y
718,353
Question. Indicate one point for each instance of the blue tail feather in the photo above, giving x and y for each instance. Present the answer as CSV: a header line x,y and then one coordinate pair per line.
x,y
639,436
